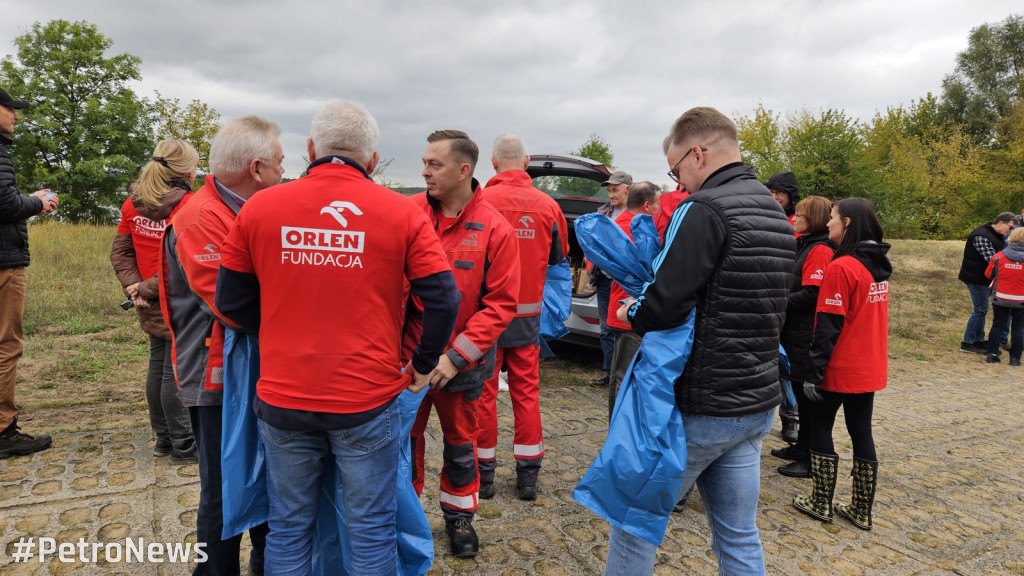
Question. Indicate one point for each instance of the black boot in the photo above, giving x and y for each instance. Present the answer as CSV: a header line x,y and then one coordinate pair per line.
x,y
865,479
790,427
791,452
462,537
823,472
14,443
798,468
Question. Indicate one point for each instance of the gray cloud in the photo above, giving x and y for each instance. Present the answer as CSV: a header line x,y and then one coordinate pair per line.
x,y
551,72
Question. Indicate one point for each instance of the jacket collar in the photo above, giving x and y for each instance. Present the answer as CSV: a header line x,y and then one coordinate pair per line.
x,y
335,159
726,173
435,204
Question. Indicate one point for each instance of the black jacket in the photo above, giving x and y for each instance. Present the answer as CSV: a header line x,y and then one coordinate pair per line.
x,y
972,269
802,301
15,210
731,258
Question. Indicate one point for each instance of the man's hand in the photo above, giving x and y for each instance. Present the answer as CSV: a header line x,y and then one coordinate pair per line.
x,y
444,372
812,393
48,205
623,312
419,381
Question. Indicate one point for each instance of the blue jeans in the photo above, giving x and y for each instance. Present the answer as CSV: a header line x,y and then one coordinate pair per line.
x,y
366,460
607,339
724,459
980,294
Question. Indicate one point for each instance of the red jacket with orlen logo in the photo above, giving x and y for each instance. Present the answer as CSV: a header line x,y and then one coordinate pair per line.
x,y
187,280
541,229
331,252
1008,278
483,251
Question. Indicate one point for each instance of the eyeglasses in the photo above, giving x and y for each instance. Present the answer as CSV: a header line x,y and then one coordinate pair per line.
x,y
672,173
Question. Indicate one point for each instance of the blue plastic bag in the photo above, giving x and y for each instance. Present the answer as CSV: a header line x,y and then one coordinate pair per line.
x,y
557,301
626,261
244,473
637,476
243,466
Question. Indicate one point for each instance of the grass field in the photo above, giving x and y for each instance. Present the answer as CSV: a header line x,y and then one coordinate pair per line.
x,y
85,359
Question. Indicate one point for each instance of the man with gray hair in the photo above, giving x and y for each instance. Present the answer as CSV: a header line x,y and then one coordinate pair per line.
x,y
245,157
541,231
319,268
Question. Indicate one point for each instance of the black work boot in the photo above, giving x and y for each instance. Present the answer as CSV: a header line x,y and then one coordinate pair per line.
x,y
486,490
798,468
15,443
791,452
462,537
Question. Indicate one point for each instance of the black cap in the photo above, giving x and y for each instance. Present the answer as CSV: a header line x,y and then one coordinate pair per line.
x,y
6,100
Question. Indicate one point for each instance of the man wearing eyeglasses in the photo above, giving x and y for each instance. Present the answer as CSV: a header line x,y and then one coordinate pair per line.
x,y
729,255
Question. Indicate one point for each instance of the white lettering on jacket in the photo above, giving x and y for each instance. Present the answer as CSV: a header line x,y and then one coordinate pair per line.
x,y
151,228
879,291
321,239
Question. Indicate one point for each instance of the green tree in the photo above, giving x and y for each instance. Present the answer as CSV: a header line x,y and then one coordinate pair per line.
x,y
595,148
195,123
86,132
823,150
988,78
761,144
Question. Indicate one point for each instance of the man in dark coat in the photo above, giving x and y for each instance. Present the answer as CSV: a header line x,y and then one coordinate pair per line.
x,y
15,210
982,244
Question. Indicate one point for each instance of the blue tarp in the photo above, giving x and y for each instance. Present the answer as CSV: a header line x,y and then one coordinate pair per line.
x,y
244,474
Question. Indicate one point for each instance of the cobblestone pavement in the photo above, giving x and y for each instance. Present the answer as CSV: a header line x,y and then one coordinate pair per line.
x,y
949,501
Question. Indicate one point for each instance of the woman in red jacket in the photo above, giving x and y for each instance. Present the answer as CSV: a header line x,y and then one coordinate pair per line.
x,y
848,359
1006,269
164,185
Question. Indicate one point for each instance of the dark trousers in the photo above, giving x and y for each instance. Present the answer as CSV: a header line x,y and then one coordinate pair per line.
x,y
223,554
167,417
607,339
857,409
627,343
1004,317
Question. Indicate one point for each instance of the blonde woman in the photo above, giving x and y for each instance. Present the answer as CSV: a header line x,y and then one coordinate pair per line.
x,y
163,186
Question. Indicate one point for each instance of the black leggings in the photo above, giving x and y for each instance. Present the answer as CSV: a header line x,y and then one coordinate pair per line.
x,y
857,409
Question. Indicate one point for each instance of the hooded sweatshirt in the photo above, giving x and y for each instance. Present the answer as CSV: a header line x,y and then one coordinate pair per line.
x,y
1007,272
850,347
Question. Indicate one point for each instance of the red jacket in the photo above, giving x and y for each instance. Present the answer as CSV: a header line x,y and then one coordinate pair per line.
x,y
330,252
617,293
483,252
666,207
191,259
1007,280
543,241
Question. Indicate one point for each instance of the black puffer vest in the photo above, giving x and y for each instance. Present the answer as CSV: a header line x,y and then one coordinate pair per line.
x,y
972,269
733,368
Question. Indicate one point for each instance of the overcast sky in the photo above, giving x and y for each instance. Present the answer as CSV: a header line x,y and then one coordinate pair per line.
x,y
553,72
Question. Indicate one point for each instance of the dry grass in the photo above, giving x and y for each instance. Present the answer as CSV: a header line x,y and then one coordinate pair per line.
x,y
85,359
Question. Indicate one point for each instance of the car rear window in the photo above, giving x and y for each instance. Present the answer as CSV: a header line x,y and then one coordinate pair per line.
x,y
571,187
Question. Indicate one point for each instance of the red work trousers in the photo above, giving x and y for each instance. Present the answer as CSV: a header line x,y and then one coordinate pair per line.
x,y
523,365
460,484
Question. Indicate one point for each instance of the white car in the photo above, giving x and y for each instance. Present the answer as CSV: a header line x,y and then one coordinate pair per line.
x,y
575,183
